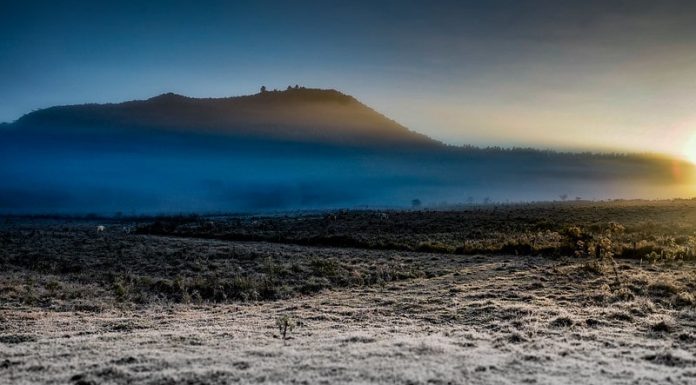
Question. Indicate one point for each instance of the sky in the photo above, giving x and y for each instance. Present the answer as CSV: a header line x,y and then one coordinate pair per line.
x,y
570,75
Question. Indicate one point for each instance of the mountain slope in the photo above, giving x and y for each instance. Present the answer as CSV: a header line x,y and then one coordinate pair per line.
x,y
297,114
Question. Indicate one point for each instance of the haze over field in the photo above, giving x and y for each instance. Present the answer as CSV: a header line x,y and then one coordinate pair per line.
x,y
413,82
278,150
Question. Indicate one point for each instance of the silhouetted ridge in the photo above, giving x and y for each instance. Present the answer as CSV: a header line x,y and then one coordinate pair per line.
x,y
296,114
168,98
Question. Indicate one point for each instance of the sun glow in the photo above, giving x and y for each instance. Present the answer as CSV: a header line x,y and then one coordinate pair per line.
x,y
690,148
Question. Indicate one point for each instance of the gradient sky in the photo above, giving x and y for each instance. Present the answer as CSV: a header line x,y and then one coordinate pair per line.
x,y
607,75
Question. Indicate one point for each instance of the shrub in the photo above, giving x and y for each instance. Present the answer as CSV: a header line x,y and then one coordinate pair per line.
x,y
285,324
435,247
684,299
663,288
517,249
325,267
562,322
622,294
121,288
662,327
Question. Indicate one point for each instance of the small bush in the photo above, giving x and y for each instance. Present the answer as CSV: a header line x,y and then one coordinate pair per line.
x,y
435,247
562,322
285,324
663,288
325,267
662,327
121,288
622,294
684,299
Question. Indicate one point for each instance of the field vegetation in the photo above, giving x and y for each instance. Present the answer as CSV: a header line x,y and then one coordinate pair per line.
x,y
592,292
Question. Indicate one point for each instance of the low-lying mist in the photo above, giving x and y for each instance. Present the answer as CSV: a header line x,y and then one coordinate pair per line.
x,y
212,174
284,150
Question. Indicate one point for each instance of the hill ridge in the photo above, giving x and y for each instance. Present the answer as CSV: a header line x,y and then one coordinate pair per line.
x,y
310,114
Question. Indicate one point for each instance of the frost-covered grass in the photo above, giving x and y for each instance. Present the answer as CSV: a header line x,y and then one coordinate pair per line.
x,y
79,306
491,320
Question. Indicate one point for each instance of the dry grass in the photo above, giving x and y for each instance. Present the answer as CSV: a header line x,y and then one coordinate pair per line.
x,y
79,307
647,230
492,320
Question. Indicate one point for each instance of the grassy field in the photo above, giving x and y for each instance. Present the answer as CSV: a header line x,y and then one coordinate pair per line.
x,y
634,229
573,292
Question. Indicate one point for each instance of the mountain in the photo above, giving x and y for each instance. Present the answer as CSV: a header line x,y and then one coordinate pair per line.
x,y
297,115
283,150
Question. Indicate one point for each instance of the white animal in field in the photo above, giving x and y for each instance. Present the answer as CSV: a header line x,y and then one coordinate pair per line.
x,y
100,229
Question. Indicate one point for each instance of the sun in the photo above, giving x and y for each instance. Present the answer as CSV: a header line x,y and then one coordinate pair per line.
x,y
690,148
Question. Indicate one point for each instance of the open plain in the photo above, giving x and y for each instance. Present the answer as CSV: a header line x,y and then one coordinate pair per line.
x,y
607,298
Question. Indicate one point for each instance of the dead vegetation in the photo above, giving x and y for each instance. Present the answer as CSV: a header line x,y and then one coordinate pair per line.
x,y
643,230
57,264
85,307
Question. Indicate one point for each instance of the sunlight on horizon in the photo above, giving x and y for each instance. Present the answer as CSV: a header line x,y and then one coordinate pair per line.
x,y
689,150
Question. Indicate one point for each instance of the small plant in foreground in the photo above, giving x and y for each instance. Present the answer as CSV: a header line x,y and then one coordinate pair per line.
x,y
285,324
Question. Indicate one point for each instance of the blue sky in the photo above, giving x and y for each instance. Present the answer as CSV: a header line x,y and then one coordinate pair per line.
x,y
562,74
